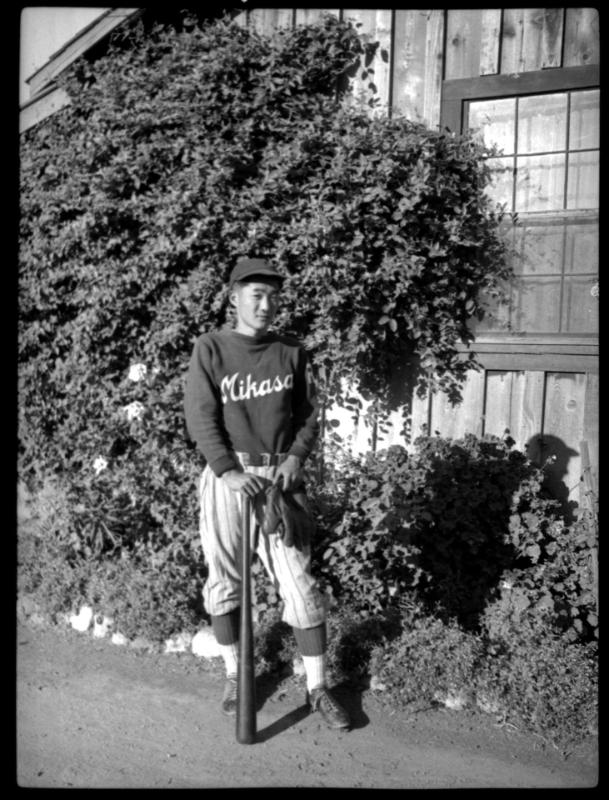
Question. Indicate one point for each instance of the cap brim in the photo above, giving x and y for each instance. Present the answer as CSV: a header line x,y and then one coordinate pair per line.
x,y
259,273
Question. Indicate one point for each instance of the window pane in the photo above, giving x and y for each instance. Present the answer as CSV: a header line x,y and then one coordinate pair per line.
x,y
581,252
540,250
542,123
536,306
501,188
582,183
497,315
584,131
496,121
580,305
540,183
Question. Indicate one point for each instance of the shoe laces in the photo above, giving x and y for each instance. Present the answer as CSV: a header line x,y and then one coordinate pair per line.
x,y
322,695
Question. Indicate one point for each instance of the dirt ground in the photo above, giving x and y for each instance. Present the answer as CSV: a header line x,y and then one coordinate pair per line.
x,y
92,714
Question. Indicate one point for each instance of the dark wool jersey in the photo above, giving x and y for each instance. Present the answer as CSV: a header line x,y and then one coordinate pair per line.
x,y
249,395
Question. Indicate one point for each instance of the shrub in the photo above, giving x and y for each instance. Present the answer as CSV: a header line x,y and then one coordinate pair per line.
x,y
148,591
454,523
430,660
179,151
537,678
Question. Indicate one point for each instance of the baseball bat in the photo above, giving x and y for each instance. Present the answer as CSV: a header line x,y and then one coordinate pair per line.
x,y
246,683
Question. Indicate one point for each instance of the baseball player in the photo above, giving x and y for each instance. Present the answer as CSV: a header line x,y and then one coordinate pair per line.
x,y
250,407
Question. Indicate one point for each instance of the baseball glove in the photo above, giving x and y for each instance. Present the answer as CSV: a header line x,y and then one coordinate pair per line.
x,y
288,514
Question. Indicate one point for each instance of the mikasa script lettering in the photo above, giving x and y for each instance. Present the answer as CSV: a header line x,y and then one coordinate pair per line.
x,y
235,388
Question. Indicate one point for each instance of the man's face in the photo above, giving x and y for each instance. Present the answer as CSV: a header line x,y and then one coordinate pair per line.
x,y
256,304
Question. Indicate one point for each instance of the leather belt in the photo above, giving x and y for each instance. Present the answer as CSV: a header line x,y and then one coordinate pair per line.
x,y
261,459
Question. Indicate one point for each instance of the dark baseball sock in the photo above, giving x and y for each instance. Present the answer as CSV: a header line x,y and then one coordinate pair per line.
x,y
226,627
311,641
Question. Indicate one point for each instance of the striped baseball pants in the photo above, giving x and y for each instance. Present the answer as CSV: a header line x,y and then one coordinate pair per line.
x,y
288,568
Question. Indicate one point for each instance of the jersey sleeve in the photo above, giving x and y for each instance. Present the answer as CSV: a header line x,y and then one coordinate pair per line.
x,y
203,411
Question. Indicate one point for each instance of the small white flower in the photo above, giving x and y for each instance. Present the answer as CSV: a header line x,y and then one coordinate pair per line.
x,y
204,644
377,685
137,372
298,667
594,290
102,626
506,585
178,644
100,464
82,620
134,410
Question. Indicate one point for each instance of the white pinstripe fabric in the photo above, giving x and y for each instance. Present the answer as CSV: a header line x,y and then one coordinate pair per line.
x,y
288,568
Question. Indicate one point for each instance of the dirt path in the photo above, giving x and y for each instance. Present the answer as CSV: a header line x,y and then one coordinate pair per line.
x,y
92,714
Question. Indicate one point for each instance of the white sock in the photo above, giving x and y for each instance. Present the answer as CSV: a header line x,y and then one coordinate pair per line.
x,y
230,654
315,669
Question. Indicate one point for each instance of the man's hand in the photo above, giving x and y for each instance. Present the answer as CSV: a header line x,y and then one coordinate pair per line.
x,y
244,482
289,474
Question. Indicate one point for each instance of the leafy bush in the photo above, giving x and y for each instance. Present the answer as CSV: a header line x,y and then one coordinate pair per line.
x,y
181,150
429,661
530,676
454,523
539,679
148,592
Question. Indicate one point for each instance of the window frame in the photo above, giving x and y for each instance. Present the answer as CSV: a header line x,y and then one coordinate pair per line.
x,y
512,350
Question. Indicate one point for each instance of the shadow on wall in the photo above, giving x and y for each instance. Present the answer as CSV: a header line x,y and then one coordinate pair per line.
x,y
546,449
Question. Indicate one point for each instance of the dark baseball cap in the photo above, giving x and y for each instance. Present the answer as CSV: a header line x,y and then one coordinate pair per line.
x,y
250,267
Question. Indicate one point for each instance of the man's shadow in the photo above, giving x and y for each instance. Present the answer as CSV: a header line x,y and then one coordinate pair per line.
x,y
552,454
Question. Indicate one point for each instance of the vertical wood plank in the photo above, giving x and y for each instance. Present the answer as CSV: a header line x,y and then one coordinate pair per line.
x,y
552,37
591,422
498,402
532,39
511,39
266,20
419,424
417,64
526,407
489,41
306,16
375,27
390,433
563,431
514,403
582,37
455,421
421,409
463,41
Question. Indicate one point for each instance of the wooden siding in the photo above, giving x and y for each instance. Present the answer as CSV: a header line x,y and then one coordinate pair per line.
x,y
426,46
374,25
545,414
582,37
417,64
511,41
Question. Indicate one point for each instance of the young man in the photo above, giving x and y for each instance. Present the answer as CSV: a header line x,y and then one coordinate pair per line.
x,y
250,407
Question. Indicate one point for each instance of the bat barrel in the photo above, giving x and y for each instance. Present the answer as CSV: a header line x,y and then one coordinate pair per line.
x,y
246,683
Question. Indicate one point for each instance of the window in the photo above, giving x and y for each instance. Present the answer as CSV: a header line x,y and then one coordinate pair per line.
x,y
548,174
545,126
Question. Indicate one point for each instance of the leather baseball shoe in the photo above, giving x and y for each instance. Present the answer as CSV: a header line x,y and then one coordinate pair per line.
x,y
333,713
229,698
